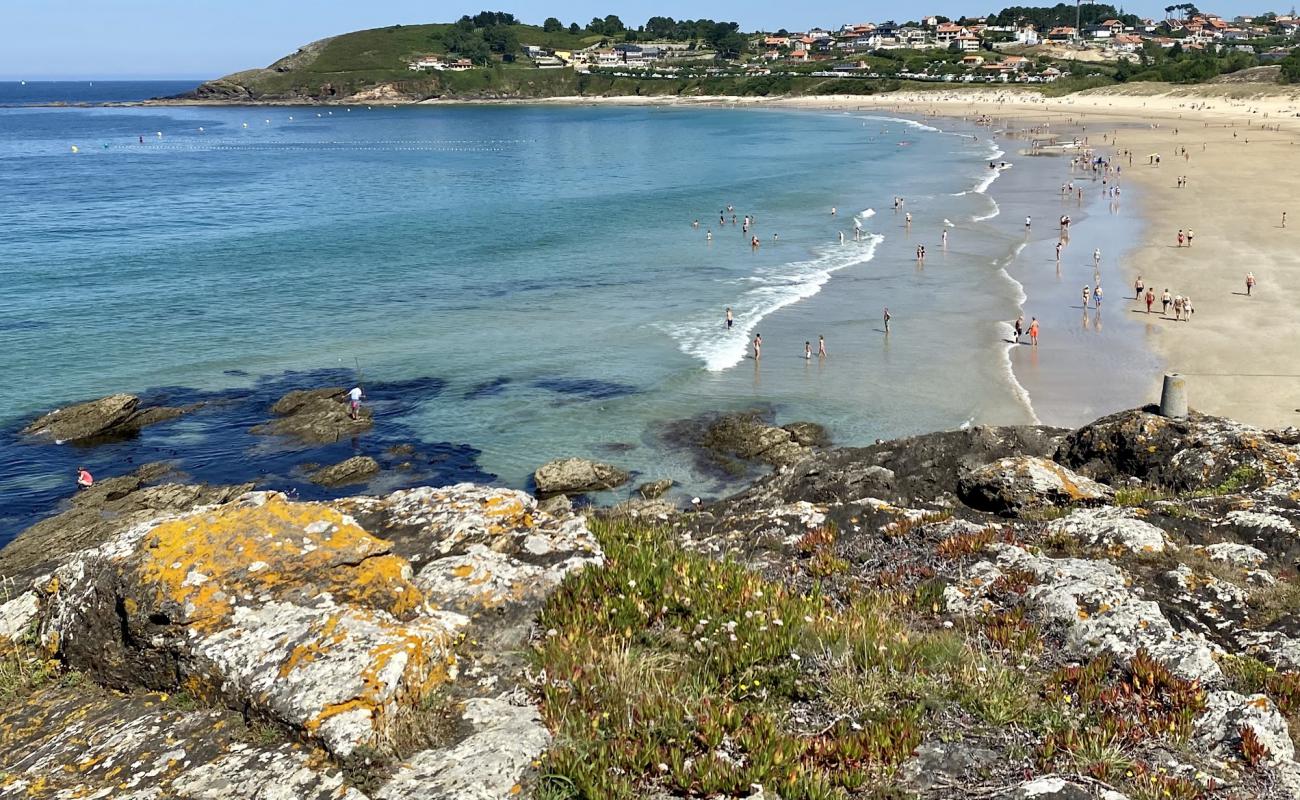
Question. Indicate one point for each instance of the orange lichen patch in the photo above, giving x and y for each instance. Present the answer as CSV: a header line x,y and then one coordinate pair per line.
x,y
463,571
278,548
428,665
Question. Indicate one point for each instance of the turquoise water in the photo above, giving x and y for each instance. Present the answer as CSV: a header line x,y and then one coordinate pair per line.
x,y
518,283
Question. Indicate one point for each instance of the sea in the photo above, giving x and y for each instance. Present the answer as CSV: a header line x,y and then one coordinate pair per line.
x,y
513,284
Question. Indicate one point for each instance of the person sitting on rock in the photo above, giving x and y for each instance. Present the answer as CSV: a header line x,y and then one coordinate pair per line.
x,y
84,479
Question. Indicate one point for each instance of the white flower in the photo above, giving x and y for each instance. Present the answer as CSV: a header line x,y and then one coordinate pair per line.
x,y
947,623
777,622
552,632
794,656
663,767
631,583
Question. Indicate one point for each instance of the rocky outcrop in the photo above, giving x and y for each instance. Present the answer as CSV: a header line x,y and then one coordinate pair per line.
x,y
357,469
576,476
101,512
315,416
1023,483
337,641
106,418
1197,452
654,490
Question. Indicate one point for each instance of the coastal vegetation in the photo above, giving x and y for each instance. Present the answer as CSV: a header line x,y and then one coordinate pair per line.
x,y
493,54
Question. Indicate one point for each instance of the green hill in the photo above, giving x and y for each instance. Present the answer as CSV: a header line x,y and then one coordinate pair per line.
x,y
375,62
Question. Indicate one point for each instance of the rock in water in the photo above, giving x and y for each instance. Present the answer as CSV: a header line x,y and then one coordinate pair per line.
x,y
655,489
314,416
577,475
357,469
112,416
1020,483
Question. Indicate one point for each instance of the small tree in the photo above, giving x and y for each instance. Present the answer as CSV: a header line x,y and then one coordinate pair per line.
x,y
575,28
613,25
552,25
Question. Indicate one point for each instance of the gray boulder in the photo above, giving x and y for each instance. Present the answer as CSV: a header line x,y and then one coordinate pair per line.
x,y
577,475
1020,483
315,416
357,469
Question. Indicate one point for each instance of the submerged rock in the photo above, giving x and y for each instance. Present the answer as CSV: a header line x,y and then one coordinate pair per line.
x,y
315,416
357,469
1022,483
576,476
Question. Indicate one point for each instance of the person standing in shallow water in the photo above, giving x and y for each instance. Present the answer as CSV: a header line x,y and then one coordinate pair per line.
x,y
758,346
1033,331
730,319
821,347
807,351
887,317
1020,327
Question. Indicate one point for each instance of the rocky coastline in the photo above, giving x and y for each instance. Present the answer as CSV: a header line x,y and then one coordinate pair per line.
x,y
1107,612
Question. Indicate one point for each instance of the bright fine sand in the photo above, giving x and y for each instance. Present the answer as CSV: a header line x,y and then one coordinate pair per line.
x,y
1241,355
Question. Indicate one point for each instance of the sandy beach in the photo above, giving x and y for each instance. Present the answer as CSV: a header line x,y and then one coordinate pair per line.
x,y
1240,353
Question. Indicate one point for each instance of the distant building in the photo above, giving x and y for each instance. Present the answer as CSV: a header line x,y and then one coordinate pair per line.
x,y
1063,33
1028,35
426,63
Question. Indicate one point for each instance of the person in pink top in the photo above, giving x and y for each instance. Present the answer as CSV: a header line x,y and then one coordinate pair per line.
x,y
84,479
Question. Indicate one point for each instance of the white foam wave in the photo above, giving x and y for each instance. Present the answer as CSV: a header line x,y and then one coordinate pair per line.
x,y
866,213
1008,331
720,349
986,217
909,122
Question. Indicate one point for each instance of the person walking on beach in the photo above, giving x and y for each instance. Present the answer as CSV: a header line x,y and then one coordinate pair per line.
x,y
730,318
758,346
1137,288
1283,219
1087,290
943,239
1187,309
1250,282
1020,327
1181,237
1096,257
1096,296
821,346
1058,252
1165,300
354,402
1033,331
807,351
1151,298
1189,237
84,479
1028,221
887,317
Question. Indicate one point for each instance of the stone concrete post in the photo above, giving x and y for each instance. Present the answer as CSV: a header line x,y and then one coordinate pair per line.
x,y
1173,396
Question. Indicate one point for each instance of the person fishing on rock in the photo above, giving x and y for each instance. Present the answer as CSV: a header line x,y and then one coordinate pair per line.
x,y
354,402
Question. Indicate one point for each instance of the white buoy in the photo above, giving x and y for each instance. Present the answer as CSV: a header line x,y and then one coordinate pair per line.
x,y
245,124
159,134
74,149
318,115
200,129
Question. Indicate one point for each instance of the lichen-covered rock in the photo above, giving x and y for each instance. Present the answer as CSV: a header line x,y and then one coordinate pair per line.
x,y
81,741
576,476
1020,483
486,765
17,615
1238,555
1049,789
296,614
1226,713
1097,605
357,469
1192,453
1112,527
315,416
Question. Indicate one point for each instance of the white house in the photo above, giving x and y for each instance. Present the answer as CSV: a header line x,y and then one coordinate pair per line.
x,y
1028,35
425,63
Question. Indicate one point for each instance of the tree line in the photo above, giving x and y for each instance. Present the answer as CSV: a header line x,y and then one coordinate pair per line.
x,y
1045,18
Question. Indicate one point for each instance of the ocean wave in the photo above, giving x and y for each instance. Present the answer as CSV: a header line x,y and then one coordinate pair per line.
x,y
780,286
986,217
920,126
1008,331
865,214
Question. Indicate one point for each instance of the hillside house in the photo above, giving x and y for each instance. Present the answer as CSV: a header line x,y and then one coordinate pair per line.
x,y
1028,35
968,42
947,33
425,63
1063,33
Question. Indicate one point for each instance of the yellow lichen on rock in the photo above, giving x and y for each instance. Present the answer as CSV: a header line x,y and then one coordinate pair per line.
x,y
202,563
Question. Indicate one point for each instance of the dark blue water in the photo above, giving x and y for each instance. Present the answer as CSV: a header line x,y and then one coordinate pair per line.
x,y
18,93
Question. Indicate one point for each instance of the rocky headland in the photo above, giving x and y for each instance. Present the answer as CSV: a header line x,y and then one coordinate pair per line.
x,y
1010,613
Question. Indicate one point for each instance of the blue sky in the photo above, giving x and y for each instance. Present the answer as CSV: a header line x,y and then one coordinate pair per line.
x,y
45,39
